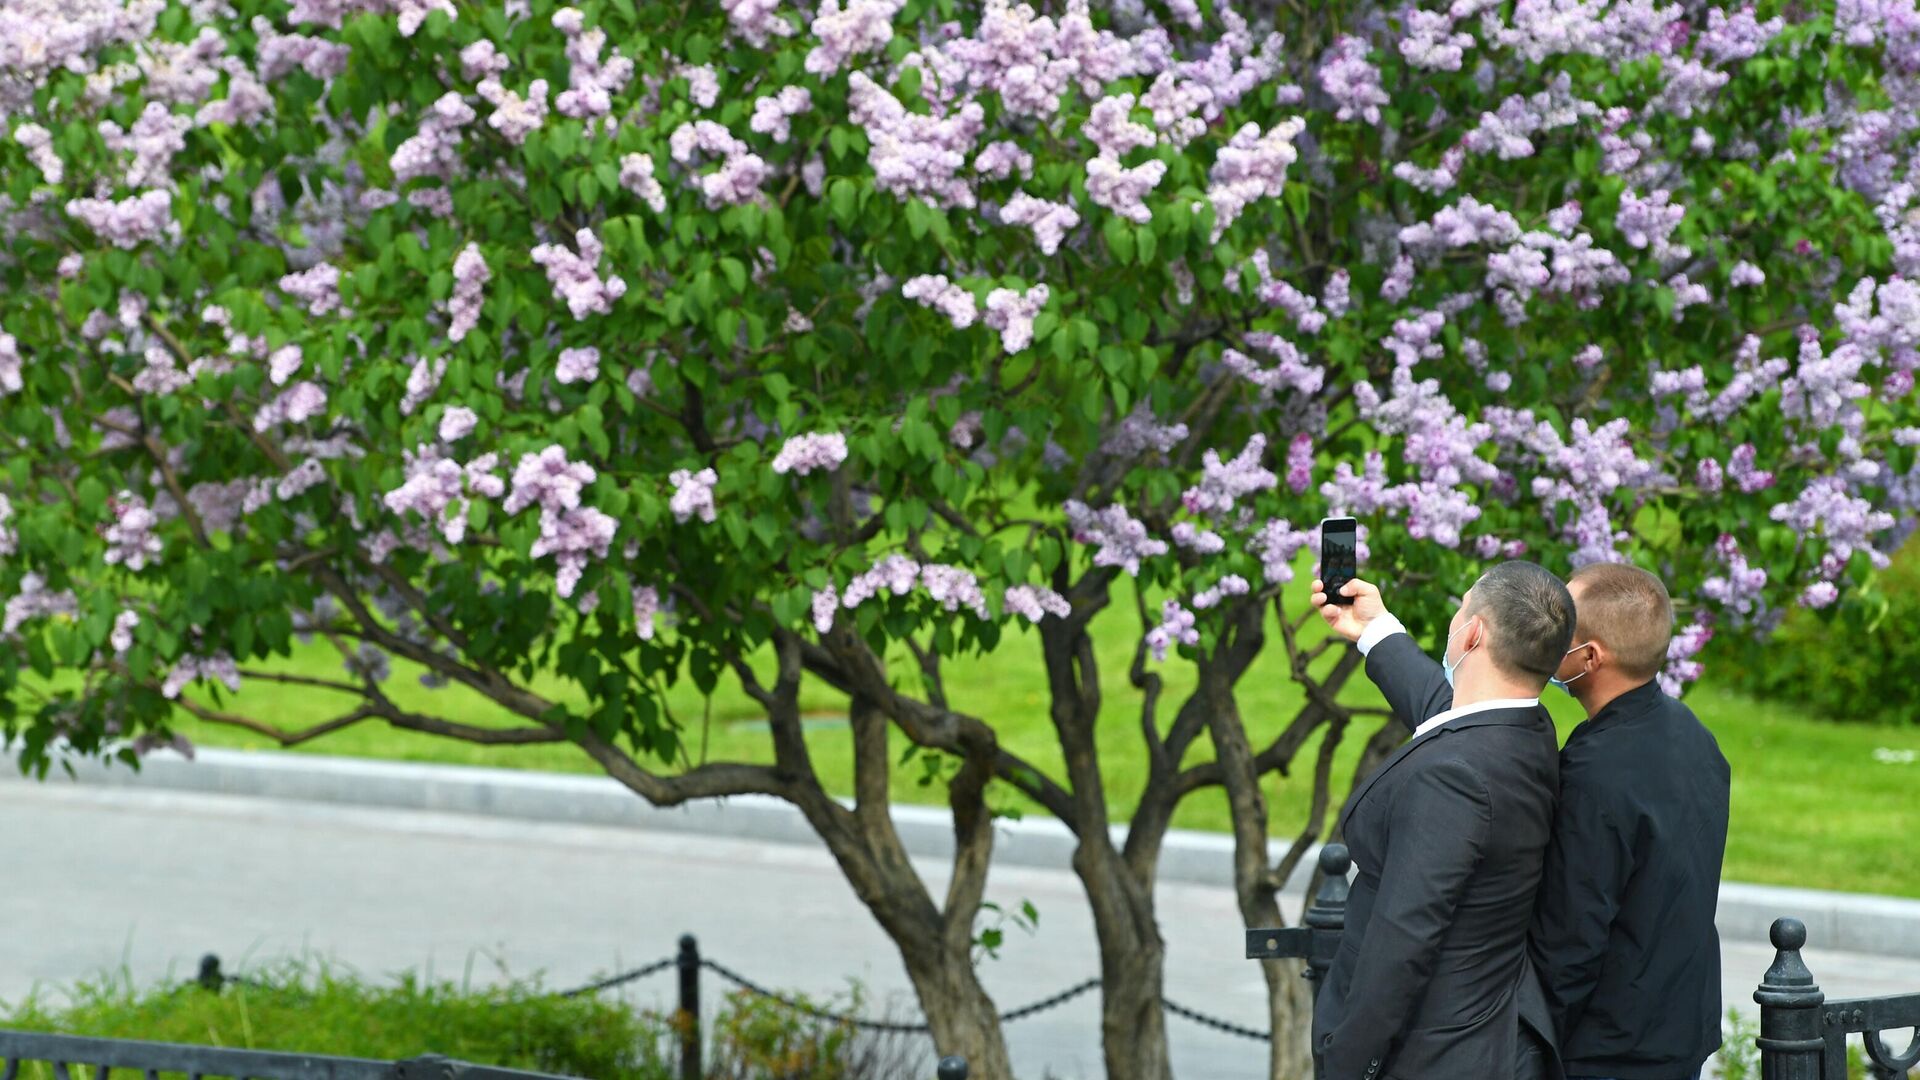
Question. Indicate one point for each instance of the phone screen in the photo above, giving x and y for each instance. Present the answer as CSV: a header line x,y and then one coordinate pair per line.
x,y
1339,538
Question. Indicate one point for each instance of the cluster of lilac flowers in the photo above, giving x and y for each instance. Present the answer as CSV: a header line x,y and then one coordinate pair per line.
x,y
1118,538
1741,588
1139,433
636,175
441,490
297,404
219,667
316,288
646,608
470,277
1252,166
1681,667
949,299
773,114
1352,82
804,454
591,83
36,601
131,540
572,533
576,277
741,171
862,26
1049,221
513,116
129,222
1033,603
1012,314
1177,627
577,365
952,588
913,154
1222,483
693,495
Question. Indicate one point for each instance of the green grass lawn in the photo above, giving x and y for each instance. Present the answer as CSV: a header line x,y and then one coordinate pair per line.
x,y
1811,805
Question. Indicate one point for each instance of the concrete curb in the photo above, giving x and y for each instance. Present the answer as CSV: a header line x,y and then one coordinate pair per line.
x,y
1851,922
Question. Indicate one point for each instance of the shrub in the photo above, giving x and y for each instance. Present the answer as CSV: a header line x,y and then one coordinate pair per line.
x,y
1855,662
306,1007
758,1039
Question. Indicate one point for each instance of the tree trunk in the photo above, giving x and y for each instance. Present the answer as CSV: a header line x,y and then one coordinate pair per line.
x,y
1256,880
1133,1027
963,1017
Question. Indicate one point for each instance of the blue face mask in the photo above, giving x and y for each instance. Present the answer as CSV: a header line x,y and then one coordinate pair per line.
x,y
1567,684
1448,667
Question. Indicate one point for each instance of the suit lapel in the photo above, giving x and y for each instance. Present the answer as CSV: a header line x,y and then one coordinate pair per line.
x,y
1386,766
1510,717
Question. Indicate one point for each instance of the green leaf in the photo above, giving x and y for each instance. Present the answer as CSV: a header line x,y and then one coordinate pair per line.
x,y
1148,242
1119,239
840,196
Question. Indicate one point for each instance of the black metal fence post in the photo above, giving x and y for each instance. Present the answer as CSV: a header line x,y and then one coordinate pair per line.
x,y
688,1019
953,1068
1328,914
1327,918
1791,1041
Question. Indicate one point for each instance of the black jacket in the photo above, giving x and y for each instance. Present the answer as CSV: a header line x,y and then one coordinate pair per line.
x,y
1448,838
1624,936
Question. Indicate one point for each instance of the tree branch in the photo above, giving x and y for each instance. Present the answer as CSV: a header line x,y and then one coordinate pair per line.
x,y
279,735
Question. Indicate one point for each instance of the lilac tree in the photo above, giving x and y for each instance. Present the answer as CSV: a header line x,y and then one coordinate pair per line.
x,y
810,344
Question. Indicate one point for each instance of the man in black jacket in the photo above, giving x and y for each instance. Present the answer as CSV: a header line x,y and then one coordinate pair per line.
x,y
1623,935
1448,837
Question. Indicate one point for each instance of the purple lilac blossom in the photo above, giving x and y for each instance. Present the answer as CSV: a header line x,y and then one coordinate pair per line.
x,y
577,365
131,540
692,495
1176,628
1119,539
936,292
1049,221
1012,314
457,422
1352,82
773,114
1252,166
575,277
803,454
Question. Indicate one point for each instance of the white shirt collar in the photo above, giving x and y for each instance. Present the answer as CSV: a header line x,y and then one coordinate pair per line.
x,y
1477,707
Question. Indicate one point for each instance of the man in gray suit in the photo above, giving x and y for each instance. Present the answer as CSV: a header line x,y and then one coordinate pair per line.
x,y
1448,839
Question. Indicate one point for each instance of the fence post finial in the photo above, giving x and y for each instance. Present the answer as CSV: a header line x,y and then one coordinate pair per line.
x,y
953,1068
688,1017
1790,1039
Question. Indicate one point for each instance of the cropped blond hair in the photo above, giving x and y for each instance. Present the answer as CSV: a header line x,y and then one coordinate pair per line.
x,y
1627,610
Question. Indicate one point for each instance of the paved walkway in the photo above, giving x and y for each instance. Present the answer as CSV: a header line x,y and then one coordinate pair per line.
x,y
151,880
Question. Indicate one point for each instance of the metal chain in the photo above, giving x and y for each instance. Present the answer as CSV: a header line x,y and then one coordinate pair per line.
x,y
1214,1022
621,979
1044,1004
751,987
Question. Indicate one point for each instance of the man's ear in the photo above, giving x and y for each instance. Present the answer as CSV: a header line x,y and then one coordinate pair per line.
x,y
1597,657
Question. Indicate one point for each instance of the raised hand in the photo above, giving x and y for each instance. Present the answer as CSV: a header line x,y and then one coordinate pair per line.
x,y
1349,620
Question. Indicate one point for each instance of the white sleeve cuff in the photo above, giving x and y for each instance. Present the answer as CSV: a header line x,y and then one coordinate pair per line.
x,y
1377,631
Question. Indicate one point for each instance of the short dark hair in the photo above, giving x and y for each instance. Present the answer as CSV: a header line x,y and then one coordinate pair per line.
x,y
1529,616
1629,611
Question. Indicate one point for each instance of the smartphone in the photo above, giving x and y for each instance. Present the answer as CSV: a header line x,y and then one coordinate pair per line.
x,y
1339,551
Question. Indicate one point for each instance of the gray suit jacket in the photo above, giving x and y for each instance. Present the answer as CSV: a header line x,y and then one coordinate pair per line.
x,y
1448,839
